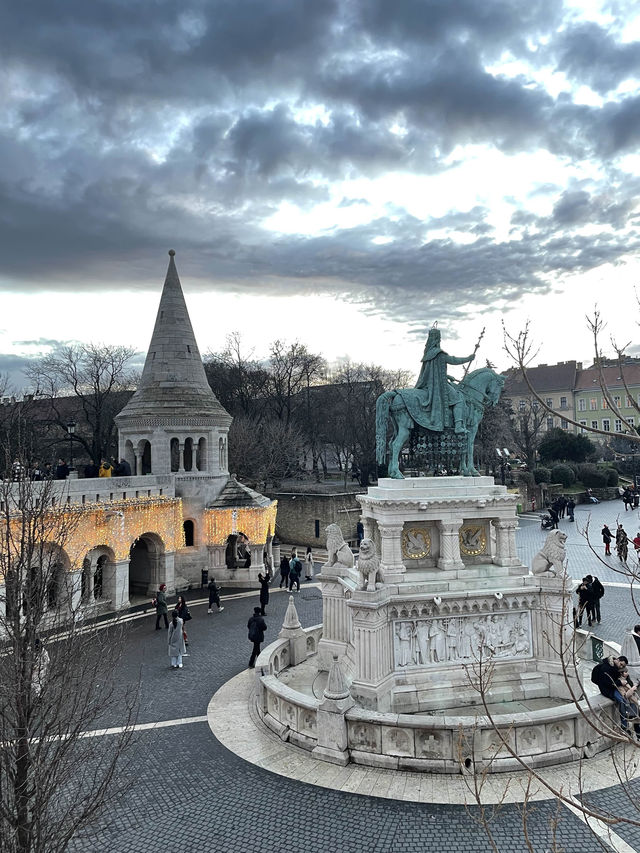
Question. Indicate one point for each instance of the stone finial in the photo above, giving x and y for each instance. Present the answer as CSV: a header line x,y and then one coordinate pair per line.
x,y
337,687
291,620
172,252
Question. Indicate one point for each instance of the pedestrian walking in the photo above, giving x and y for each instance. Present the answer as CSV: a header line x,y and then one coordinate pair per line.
x,y
295,570
214,596
561,506
607,536
308,564
183,613
160,604
257,626
284,572
176,643
264,581
598,592
571,507
622,543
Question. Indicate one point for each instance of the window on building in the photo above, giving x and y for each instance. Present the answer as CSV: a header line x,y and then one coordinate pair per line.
x,y
617,425
549,423
605,405
606,425
563,402
535,405
628,402
593,404
630,421
582,404
564,423
616,400
549,402
583,424
522,405
594,424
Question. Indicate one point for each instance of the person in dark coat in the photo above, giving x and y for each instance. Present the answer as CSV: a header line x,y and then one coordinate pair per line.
x,y
123,469
284,571
62,470
606,676
571,508
160,603
256,626
183,613
607,536
214,596
622,543
264,581
295,570
585,599
598,592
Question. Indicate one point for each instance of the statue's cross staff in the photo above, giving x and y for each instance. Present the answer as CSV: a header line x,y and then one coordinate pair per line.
x,y
466,370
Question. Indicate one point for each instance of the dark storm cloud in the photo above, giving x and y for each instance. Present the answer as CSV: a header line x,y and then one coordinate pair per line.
x,y
592,56
132,127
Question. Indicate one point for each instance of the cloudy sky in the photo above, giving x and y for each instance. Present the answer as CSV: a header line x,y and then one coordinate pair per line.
x,y
343,172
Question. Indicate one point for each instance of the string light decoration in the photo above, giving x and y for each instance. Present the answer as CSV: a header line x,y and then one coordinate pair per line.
x,y
116,524
254,522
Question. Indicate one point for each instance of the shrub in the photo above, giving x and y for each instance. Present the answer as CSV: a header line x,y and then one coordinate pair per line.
x,y
542,475
612,476
563,474
592,477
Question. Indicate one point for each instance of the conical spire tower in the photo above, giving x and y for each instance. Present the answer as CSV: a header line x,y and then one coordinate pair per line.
x,y
173,422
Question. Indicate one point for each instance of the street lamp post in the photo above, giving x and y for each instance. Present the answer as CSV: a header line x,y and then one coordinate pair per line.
x,y
71,428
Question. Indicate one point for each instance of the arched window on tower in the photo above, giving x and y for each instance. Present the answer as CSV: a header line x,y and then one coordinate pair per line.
x,y
188,454
175,454
189,533
201,455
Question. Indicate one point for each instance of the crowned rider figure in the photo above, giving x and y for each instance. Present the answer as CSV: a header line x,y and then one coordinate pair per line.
x,y
443,402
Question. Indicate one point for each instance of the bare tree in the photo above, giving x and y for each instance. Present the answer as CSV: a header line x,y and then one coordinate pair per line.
x,y
56,684
91,374
263,453
238,380
292,369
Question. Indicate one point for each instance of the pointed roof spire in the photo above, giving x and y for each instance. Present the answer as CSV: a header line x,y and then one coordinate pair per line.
x,y
173,380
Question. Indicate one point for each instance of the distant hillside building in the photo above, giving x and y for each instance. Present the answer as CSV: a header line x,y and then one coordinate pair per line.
x,y
554,383
592,408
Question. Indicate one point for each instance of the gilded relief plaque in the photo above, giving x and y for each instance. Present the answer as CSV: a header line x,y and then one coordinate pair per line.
x,y
473,540
416,543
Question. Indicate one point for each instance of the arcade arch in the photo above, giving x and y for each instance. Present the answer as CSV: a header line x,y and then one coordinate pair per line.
x,y
94,571
147,564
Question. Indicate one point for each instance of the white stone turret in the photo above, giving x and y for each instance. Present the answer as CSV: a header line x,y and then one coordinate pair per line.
x,y
174,423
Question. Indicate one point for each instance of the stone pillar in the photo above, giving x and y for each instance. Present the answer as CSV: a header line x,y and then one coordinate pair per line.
x,y
74,590
506,553
138,456
335,622
450,545
275,550
115,581
393,569
333,736
368,526
181,457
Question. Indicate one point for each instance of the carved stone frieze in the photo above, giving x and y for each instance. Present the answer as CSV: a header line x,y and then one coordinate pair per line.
x,y
458,639
416,542
473,539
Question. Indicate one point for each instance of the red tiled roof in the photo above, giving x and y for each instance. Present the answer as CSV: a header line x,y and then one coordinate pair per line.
x,y
544,377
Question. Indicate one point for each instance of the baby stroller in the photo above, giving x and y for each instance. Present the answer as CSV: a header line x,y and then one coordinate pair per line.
x,y
546,522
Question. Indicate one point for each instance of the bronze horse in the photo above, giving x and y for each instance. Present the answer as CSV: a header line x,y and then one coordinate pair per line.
x,y
480,388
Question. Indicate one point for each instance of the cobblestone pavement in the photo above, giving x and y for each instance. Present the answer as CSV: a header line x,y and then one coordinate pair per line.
x,y
189,792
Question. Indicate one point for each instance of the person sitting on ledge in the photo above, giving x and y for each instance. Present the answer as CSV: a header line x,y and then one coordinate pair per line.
x,y
607,676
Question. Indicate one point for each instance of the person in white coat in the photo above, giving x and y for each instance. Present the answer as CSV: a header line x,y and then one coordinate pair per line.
x,y
176,641
308,565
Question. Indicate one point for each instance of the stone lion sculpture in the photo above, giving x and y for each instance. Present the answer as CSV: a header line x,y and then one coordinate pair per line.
x,y
550,560
339,551
369,574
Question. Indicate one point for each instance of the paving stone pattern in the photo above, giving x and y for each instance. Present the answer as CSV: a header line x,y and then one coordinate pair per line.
x,y
190,793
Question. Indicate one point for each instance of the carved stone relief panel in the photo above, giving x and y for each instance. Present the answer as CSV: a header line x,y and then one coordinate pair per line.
x,y
397,741
416,542
433,744
560,735
530,740
473,539
290,715
364,737
307,721
460,639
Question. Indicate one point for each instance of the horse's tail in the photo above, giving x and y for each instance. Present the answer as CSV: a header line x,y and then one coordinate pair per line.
x,y
383,404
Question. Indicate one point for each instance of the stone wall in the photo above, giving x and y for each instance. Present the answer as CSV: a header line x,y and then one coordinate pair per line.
x,y
302,517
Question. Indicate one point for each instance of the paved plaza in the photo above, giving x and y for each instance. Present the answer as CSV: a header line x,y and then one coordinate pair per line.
x,y
191,792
